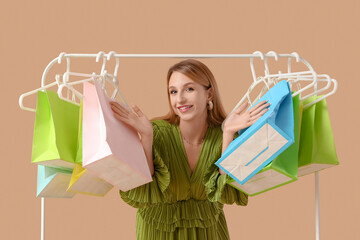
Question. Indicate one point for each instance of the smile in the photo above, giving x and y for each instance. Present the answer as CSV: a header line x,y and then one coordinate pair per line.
x,y
184,108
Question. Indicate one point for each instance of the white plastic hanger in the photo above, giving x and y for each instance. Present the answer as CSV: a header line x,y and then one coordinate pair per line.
x,y
44,87
264,58
256,80
297,78
101,55
291,77
69,87
21,99
335,87
252,63
247,96
310,75
311,71
22,96
267,72
271,77
93,77
110,55
90,77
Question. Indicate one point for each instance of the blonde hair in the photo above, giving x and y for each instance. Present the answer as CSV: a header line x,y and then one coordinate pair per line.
x,y
199,73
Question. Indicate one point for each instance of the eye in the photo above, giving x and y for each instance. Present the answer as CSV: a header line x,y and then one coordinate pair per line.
x,y
189,89
172,92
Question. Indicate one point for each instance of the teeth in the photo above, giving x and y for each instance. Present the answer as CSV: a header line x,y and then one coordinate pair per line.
x,y
183,108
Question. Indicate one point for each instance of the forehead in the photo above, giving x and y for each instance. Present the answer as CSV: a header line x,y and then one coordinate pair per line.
x,y
179,80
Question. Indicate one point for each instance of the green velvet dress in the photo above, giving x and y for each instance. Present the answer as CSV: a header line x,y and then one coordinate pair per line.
x,y
178,203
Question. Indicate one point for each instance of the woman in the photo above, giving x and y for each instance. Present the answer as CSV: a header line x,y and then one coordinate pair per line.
x,y
186,197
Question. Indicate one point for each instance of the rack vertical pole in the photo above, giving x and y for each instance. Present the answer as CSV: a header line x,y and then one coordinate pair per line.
x,y
42,218
317,197
317,207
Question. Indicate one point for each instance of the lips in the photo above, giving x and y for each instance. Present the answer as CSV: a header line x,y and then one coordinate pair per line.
x,y
184,108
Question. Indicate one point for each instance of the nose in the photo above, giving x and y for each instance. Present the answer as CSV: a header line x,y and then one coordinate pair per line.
x,y
180,97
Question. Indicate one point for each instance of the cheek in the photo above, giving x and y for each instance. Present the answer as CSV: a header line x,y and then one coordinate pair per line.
x,y
202,101
172,102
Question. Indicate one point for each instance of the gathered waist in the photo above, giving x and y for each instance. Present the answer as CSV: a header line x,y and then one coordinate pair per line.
x,y
185,213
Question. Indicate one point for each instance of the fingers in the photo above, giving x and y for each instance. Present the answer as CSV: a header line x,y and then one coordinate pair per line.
x,y
260,104
256,117
120,118
137,111
119,110
259,109
242,107
119,107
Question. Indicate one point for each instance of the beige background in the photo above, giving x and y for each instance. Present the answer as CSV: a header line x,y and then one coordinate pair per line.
x,y
326,33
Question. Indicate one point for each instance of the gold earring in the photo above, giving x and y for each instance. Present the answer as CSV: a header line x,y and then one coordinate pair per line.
x,y
211,105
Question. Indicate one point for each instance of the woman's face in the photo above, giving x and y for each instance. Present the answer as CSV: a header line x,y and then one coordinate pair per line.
x,y
188,98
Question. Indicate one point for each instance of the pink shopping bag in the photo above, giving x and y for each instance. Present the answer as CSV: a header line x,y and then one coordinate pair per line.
x,y
111,149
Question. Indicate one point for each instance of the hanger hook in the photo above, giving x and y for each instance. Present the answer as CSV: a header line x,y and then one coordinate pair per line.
x,y
276,56
262,56
101,55
252,63
61,57
266,66
296,55
111,54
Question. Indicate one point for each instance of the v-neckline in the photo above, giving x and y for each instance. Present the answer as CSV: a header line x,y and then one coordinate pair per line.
x,y
192,173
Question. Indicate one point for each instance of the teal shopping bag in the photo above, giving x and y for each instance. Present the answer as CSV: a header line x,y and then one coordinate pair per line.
x,y
55,132
282,170
317,146
268,137
53,182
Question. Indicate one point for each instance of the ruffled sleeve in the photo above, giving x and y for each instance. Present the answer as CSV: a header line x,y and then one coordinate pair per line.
x,y
153,192
217,188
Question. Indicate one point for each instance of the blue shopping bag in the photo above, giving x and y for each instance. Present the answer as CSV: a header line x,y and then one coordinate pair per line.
x,y
268,137
53,182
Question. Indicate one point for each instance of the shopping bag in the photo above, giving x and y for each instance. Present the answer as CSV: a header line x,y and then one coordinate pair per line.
x,y
111,149
259,144
282,170
317,146
83,181
53,182
55,131
79,155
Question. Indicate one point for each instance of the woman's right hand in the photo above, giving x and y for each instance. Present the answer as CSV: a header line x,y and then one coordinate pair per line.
x,y
135,119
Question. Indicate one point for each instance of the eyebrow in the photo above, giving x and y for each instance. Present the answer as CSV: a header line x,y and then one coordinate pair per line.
x,y
186,84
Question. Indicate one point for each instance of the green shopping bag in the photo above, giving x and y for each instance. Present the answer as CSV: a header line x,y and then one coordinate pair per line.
x,y
78,158
55,131
317,146
282,170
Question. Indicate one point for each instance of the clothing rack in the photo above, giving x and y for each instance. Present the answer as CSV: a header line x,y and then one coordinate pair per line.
x,y
257,54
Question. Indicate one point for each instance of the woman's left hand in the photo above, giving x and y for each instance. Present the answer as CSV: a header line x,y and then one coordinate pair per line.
x,y
240,119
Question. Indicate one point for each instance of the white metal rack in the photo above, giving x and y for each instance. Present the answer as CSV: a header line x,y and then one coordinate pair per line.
x,y
105,57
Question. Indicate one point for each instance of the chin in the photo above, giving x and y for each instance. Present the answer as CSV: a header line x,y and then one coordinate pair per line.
x,y
187,118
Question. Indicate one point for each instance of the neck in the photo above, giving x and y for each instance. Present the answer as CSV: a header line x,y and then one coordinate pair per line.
x,y
193,131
